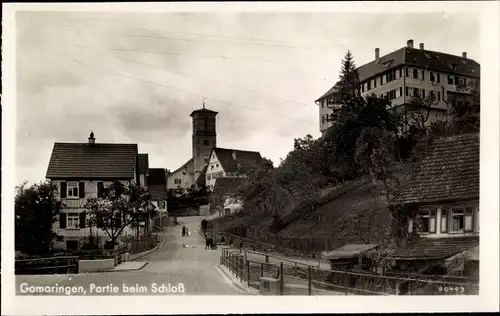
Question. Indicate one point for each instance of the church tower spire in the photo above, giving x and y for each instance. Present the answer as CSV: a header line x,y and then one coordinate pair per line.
x,y
204,137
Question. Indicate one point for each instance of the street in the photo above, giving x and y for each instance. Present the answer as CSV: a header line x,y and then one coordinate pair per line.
x,y
173,269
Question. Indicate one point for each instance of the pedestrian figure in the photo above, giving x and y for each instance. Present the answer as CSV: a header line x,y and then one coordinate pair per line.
x,y
184,231
207,242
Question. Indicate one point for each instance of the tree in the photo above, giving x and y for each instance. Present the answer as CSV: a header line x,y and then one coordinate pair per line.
x,y
36,209
118,207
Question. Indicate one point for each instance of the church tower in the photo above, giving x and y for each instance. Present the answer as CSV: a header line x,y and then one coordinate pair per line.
x,y
204,138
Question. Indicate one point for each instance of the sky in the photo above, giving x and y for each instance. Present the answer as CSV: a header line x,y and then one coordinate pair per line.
x,y
136,77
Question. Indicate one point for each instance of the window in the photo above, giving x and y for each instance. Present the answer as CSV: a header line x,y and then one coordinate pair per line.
x,y
206,142
73,189
415,92
407,91
381,80
177,181
415,73
217,165
423,93
432,95
450,79
208,177
212,166
461,81
432,77
407,72
438,78
427,221
100,189
444,220
439,96
400,91
72,220
456,80
205,123
375,83
457,220
400,72
423,75
369,85
161,205
362,88
206,158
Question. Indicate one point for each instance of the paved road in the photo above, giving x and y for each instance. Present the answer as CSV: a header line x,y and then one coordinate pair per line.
x,y
174,266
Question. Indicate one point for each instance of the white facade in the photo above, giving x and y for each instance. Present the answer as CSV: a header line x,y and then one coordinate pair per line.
x,y
74,207
402,83
182,177
215,171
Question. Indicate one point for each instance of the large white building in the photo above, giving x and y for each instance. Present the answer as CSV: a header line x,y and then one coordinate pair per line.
x,y
410,72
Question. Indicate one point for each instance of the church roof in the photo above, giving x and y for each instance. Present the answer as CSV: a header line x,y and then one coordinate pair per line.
x,y
207,111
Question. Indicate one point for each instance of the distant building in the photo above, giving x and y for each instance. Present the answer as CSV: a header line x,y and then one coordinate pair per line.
x,y
80,171
226,163
225,195
442,204
411,72
203,140
157,186
143,169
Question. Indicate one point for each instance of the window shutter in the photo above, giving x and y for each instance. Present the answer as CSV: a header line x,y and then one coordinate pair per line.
x,y
82,220
64,190
62,220
468,225
432,221
81,190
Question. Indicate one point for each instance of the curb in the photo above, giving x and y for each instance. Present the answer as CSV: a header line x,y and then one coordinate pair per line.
x,y
236,283
126,270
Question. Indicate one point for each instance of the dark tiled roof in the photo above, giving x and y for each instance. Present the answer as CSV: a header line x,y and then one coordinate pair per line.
x,y
157,184
143,163
228,185
184,166
329,93
203,111
201,181
435,248
449,172
92,161
437,61
229,164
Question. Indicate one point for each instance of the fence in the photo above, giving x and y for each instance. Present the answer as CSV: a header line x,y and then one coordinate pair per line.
x,y
142,244
297,278
49,265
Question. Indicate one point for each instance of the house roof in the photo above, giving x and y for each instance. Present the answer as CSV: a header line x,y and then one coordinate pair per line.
x,y
157,184
143,163
201,181
204,111
448,173
435,248
92,161
430,60
329,93
228,185
184,166
348,251
227,158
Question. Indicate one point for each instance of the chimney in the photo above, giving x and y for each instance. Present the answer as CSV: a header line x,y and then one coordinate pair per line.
x,y
422,46
377,54
91,138
464,55
409,43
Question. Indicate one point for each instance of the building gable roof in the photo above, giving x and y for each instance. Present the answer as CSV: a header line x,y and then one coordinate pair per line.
x,y
448,173
431,60
143,163
92,161
227,157
157,184
201,180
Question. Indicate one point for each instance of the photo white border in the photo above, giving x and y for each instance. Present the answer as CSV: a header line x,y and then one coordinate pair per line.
x,y
488,300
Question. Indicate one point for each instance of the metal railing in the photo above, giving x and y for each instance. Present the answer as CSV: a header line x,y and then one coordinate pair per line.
x,y
49,265
300,279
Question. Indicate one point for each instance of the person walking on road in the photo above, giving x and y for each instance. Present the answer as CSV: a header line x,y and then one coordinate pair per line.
x,y
183,231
